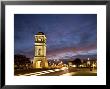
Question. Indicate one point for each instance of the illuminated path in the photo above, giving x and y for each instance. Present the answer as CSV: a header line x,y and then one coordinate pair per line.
x,y
41,73
62,72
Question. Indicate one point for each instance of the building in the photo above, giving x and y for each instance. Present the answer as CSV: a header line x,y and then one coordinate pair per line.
x,y
70,63
84,63
40,60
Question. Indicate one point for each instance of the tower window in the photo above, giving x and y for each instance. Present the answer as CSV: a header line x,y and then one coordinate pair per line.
x,y
39,51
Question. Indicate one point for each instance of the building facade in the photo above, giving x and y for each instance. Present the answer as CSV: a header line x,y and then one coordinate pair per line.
x,y
40,60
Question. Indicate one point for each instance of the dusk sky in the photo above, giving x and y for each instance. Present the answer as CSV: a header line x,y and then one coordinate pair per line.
x,y
67,34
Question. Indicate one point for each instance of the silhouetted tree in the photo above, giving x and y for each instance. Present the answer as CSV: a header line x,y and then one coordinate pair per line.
x,y
77,62
21,61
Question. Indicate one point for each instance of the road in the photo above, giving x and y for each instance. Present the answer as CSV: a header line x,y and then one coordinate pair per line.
x,y
63,72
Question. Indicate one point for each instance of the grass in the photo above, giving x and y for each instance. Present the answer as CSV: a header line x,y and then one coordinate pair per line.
x,y
85,74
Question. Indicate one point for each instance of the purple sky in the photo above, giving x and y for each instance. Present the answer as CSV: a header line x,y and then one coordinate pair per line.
x,y
67,34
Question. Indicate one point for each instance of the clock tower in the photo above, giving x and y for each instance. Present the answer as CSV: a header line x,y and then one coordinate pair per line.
x,y
40,60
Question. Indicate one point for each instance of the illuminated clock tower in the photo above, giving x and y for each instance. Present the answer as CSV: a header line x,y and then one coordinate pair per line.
x,y
40,60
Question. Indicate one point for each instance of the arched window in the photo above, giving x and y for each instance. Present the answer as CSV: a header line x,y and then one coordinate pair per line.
x,y
39,51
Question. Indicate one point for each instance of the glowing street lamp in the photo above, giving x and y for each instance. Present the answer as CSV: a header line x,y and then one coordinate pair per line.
x,y
88,59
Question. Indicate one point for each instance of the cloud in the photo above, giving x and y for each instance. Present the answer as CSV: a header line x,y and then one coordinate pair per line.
x,y
65,33
60,53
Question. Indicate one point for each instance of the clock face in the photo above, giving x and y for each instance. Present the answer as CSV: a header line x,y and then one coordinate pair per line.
x,y
39,39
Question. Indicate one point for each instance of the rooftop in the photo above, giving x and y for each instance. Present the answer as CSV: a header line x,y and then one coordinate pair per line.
x,y
40,33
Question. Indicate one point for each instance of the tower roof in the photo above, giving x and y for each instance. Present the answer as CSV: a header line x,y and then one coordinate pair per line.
x,y
40,33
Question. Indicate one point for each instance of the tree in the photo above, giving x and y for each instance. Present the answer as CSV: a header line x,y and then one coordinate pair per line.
x,y
21,61
77,62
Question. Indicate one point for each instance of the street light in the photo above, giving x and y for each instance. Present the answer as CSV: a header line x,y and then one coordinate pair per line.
x,y
88,58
